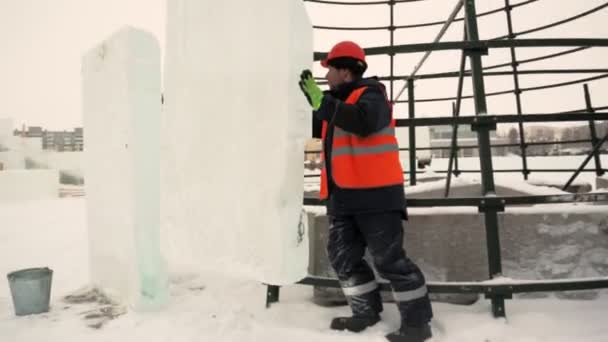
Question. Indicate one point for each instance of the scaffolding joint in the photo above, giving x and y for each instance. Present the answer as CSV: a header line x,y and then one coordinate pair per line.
x,y
505,292
476,51
491,204
484,122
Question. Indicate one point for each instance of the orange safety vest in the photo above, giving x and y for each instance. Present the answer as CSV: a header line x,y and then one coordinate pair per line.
x,y
362,162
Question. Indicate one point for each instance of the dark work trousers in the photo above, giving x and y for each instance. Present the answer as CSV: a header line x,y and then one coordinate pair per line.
x,y
382,234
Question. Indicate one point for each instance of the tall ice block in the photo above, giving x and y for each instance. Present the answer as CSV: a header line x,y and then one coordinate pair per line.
x,y
121,106
234,130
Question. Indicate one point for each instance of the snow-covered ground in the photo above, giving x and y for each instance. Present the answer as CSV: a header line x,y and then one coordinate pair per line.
x,y
219,307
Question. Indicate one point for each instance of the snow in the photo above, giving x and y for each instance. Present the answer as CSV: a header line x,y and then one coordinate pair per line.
x,y
210,306
568,229
509,281
19,185
515,162
226,114
514,184
6,132
19,153
9,158
217,241
437,185
12,160
66,161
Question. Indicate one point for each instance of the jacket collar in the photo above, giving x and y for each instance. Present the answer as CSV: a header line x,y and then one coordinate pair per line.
x,y
344,89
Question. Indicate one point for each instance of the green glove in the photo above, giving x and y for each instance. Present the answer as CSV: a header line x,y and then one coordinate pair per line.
x,y
311,90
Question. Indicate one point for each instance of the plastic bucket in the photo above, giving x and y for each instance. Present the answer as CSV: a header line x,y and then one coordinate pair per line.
x,y
31,290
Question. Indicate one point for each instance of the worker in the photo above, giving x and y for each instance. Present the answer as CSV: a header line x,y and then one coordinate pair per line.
x,y
362,183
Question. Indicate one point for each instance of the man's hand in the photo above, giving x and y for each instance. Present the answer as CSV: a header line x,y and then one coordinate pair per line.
x,y
311,90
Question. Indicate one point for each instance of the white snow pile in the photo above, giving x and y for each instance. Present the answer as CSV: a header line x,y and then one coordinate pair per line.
x,y
208,306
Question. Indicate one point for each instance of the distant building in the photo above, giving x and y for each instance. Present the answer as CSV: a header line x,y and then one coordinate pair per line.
x,y
582,132
78,139
441,136
32,132
55,140
312,150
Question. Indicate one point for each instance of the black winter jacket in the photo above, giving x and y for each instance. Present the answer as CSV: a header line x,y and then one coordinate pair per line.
x,y
370,114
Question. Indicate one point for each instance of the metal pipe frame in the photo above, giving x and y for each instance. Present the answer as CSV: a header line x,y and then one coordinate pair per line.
x,y
482,45
434,23
455,114
593,153
485,155
514,66
480,202
482,123
426,55
517,90
593,132
502,118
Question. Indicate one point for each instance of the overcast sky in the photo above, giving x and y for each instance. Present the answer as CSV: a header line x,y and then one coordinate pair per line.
x,y
43,42
42,45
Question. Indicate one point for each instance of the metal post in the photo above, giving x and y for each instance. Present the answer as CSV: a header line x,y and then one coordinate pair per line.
x,y
598,164
456,170
485,155
443,30
456,113
272,295
453,152
596,148
412,130
392,43
514,65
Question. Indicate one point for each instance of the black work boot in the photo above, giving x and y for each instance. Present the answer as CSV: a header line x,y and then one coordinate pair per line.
x,y
376,301
354,323
411,334
366,310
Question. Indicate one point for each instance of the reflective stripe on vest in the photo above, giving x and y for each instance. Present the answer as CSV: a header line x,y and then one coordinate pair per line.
x,y
382,139
363,162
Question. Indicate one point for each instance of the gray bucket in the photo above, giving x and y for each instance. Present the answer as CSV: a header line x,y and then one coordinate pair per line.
x,y
31,290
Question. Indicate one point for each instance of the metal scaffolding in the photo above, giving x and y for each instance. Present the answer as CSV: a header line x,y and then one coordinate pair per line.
x,y
472,48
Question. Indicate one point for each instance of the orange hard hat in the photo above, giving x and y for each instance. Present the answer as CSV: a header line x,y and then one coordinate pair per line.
x,y
345,49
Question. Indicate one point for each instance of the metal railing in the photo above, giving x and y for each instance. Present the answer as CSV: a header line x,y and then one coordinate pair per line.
x,y
482,122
